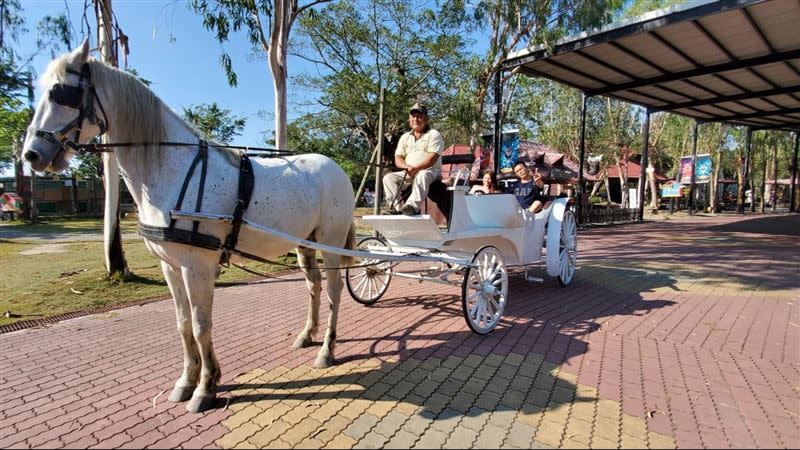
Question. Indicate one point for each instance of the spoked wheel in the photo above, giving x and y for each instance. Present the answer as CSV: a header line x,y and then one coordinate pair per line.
x,y
484,290
369,282
568,249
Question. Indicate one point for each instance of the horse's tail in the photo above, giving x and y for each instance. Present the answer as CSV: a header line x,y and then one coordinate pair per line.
x,y
350,245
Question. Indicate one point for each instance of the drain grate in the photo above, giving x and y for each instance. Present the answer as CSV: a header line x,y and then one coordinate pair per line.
x,y
35,323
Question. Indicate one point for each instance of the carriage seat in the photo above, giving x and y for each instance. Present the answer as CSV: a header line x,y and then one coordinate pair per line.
x,y
440,200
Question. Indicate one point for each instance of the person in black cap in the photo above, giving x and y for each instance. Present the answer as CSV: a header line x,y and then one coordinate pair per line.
x,y
418,158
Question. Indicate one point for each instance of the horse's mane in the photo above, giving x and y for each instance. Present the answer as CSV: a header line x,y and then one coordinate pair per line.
x,y
135,104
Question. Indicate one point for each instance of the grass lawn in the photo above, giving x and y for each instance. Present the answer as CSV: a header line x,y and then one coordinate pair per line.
x,y
66,225
46,284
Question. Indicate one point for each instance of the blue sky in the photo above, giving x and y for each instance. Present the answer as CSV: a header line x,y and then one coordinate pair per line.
x,y
169,47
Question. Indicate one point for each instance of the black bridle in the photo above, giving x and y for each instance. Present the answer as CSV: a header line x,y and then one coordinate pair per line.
x,y
81,97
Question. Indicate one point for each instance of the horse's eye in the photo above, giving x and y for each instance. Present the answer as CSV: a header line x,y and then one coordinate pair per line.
x,y
66,95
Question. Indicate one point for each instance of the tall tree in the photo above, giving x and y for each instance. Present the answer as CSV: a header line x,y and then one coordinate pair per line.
x,y
267,25
218,124
116,264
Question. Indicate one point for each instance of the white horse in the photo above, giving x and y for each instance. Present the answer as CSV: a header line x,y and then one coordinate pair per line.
x,y
307,196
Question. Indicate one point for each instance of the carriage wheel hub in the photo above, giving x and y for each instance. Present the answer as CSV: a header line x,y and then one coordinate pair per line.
x,y
488,289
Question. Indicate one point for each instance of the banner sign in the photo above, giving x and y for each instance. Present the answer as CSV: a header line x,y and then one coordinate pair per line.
x,y
671,190
702,169
509,151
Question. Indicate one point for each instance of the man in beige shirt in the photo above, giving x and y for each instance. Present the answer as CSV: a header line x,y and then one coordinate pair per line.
x,y
417,157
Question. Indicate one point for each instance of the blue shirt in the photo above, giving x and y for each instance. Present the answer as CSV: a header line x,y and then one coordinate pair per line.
x,y
526,193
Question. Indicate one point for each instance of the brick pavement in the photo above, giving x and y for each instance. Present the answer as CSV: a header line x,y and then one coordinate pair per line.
x,y
681,332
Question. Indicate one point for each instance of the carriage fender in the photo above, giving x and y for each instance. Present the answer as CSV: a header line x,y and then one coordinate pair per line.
x,y
554,236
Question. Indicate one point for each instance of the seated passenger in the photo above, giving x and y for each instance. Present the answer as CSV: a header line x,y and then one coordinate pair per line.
x,y
417,157
489,185
528,189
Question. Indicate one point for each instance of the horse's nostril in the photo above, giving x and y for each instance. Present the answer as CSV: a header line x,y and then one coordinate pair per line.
x,y
31,156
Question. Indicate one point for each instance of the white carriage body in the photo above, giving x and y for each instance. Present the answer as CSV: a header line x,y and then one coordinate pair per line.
x,y
476,221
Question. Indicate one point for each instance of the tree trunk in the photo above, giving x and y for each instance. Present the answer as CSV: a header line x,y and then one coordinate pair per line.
x,y
740,194
774,191
112,236
651,178
714,186
366,175
595,188
73,194
763,203
34,211
279,37
623,182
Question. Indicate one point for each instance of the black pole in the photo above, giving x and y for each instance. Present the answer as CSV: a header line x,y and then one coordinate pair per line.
x,y
581,159
793,187
498,128
694,161
752,178
643,165
746,169
774,178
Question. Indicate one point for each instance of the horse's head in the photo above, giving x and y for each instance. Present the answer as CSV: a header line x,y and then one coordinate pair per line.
x,y
66,113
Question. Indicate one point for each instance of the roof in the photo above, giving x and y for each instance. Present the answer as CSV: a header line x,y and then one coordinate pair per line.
x,y
634,170
735,61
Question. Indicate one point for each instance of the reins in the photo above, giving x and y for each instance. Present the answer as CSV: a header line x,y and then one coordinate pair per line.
x,y
265,152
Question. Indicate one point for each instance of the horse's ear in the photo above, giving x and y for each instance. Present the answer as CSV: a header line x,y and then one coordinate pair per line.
x,y
81,54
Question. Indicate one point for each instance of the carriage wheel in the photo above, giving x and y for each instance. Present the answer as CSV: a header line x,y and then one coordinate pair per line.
x,y
484,290
369,282
568,248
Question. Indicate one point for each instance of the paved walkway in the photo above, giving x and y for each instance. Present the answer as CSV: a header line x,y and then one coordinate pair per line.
x,y
681,332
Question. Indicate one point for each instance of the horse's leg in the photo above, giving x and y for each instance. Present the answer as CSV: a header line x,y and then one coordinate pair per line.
x,y
199,282
334,284
307,259
191,357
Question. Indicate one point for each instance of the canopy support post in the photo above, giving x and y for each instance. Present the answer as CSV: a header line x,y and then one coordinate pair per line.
x,y
498,126
643,164
694,164
794,180
581,161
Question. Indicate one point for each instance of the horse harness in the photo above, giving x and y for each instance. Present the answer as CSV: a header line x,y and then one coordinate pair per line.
x,y
194,237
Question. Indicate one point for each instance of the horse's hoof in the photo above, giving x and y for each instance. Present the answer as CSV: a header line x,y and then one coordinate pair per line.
x,y
302,342
181,394
323,362
201,403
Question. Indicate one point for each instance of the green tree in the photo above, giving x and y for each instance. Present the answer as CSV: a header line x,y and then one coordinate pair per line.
x,y
218,124
15,72
359,47
516,24
267,25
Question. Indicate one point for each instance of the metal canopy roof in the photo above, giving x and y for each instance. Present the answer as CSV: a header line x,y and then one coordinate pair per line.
x,y
735,61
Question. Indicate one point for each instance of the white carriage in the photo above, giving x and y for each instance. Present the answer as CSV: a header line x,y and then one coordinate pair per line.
x,y
486,235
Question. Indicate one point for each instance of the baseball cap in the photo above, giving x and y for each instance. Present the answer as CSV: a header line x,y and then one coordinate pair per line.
x,y
419,107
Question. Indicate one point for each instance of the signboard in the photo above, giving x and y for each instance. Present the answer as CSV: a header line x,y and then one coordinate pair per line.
x,y
702,169
671,190
509,151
